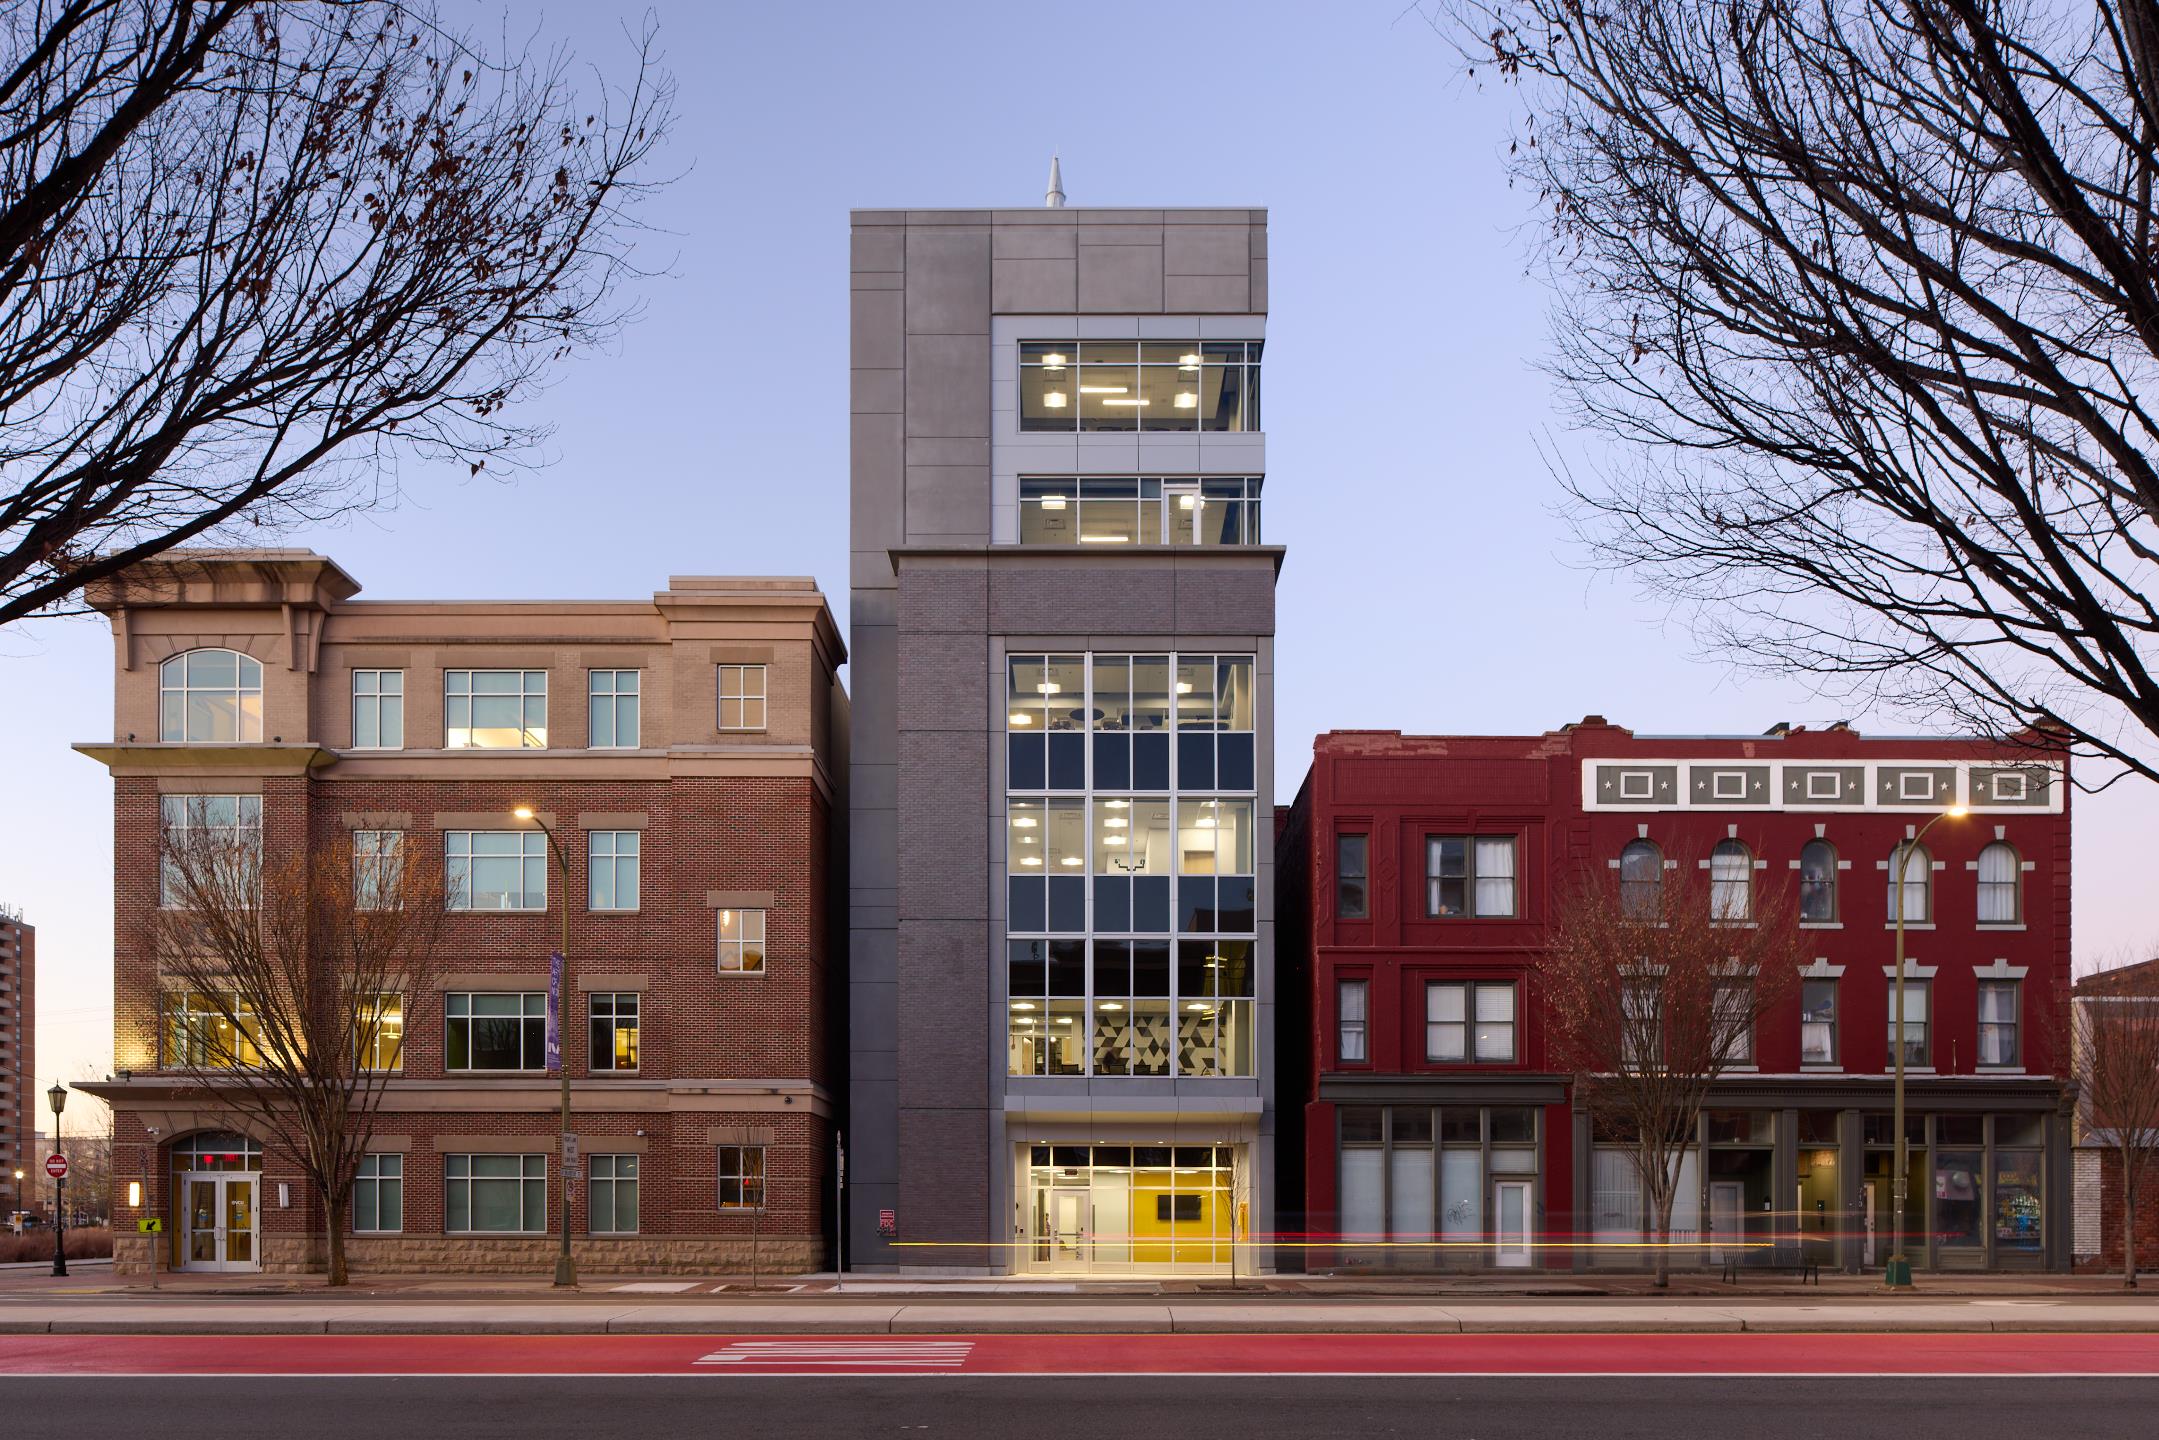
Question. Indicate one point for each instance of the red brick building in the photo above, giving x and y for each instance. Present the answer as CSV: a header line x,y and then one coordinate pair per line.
x,y
1419,873
2100,1213
681,749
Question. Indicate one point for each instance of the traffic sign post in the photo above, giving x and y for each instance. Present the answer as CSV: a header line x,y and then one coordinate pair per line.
x,y
56,1166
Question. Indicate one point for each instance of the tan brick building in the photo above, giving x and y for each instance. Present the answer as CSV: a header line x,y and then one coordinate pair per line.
x,y
684,752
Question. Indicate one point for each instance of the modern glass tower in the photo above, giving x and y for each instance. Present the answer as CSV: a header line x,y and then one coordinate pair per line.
x,y
1062,978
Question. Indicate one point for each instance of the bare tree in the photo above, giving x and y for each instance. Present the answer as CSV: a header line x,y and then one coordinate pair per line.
x,y
1865,293
2114,1053
285,980
252,252
1654,984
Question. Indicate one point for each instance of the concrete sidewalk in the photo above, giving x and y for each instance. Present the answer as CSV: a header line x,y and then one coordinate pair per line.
x,y
245,1316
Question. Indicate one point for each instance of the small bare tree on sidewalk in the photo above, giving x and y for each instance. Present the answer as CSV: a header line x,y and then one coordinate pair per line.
x,y
2114,1055
285,979
1655,979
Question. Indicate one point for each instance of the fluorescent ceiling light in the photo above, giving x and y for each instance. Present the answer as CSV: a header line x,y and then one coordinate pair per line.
x,y
1114,823
1053,400
1109,1005
1127,402
1047,687
1105,539
1054,360
1205,822
1031,860
1114,839
1119,804
1105,389
1023,1004
1070,860
1188,361
1024,822
1184,687
1187,502
1021,717
1187,400
1053,502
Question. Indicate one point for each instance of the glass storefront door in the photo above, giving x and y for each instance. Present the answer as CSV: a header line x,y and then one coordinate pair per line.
x,y
218,1221
1510,1223
1128,1209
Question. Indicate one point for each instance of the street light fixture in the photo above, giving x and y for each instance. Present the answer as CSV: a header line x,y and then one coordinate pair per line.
x,y
57,1098
1898,1273
565,1265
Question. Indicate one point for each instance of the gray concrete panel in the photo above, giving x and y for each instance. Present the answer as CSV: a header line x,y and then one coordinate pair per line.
x,y
935,451
874,477
1224,293
948,385
873,1021
1206,249
872,864
948,503
874,331
876,249
1048,286
1034,242
948,289
1120,279
875,392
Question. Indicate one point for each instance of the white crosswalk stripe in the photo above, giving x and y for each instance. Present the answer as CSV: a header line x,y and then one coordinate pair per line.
x,y
911,1354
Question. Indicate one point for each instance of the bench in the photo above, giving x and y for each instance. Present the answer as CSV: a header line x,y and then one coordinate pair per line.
x,y
1808,1271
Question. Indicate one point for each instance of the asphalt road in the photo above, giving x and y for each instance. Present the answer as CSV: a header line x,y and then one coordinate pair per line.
x,y
1044,1408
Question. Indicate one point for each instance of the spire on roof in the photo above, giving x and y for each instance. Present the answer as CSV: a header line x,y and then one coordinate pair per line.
x,y
1054,198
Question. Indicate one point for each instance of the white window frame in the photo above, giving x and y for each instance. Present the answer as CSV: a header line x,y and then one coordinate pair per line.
x,y
742,944
1915,992
612,697
368,1048
1717,789
1816,781
1836,1054
2014,1024
178,815
613,1162
743,696
246,723
528,1224
1987,891
381,700
1924,780
2003,781
1629,789
1905,874
613,853
371,1174
527,690
458,857
1348,1026
1473,876
742,1178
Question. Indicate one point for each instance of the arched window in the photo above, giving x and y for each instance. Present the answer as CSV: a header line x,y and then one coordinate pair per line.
x,y
1916,867
2001,885
1818,882
1731,881
1641,878
210,697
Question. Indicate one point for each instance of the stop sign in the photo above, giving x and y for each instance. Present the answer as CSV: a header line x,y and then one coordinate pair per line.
x,y
56,1166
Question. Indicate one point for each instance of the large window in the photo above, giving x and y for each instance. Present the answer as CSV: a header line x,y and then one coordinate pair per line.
x,y
2001,876
210,697
495,709
379,1031
1998,1024
614,1032
1641,1012
742,942
614,1195
1641,879
1130,1007
495,869
1911,884
612,859
1468,875
1352,1019
612,704
1818,883
1469,1022
1143,511
1731,1006
1818,1022
1731,882
494,1194
1917,1033
378,709
205,1031
378,868
378,1195
220,837
495,1031
742,697
1126,385
1351,858
742,1177
1215,704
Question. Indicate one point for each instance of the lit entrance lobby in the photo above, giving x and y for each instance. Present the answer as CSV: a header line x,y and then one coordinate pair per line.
x,y
1132,1209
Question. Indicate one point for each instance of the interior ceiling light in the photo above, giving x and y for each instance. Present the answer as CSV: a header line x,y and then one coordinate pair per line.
x,y
1023,822
1053,400
1023,1004
1113,839
1189,362
1205,822
1048,687
1053,502
1184,687
1055,362
1127,402
1113,823
1120,804
1105,389
1109,1005
1031,860
1187,502
1070,860
1105,539
1187,400
1021,717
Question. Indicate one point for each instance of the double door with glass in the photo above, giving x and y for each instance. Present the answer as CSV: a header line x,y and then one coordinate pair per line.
x,y
219,1221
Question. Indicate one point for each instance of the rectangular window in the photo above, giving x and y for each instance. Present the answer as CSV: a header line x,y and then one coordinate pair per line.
x,y
1144,511
742,697
1351,1020
1729,1005
219,837
614,1032
612,718
1349,878
495,1031
742,942
495,869
205,1031
613,1195
613,858
1998,1023
1157,386
1469,875
1466,1022
495,709
378,1195
378,868
494,1194
378,709
1916,1036
1642,1022
379,1032
1818,1022
742,1177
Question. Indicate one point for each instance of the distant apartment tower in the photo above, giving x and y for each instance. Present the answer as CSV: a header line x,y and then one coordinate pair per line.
x,y
20,1094
684,751
1062,624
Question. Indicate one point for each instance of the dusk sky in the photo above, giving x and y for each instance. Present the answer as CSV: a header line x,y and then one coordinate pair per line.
x,y
1429,585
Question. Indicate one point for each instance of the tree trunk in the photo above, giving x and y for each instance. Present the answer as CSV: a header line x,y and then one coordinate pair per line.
x,y
1661,1275
334,1207
2129,1221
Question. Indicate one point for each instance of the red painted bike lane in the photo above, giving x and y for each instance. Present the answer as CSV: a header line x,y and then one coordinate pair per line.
x,y
1902,1354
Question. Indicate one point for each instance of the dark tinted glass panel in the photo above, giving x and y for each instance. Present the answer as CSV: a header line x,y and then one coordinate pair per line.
x,y
1513,1124
1235,771
1112,967
1150,1157
1195,968
1038,1155
1068,1156
1026,767
1112,903
495,1044
1195,1157
1068,967
1150,902
1067,763
1119,1155
1361,1125
1817,1127
1237,908
1960,1129
1413,1127
1067,904
2018,1129
1027,909
1195,762
1234,975
1461,1127
1195,902
1150,762
1029,969
1150,968
1112,762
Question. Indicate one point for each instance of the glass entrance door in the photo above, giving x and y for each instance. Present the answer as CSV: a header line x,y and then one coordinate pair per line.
x,y
218,1221
1068,1227
1510,1223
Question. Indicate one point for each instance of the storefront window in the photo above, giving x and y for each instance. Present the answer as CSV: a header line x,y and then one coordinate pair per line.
x,y
1130,1208
1956,1201
2017,1214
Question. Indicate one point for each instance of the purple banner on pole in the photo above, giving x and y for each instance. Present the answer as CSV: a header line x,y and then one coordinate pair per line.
x,y
554,1012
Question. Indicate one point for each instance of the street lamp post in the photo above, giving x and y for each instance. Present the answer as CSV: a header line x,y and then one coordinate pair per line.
x,y
565,1265
57,1098
1898,1273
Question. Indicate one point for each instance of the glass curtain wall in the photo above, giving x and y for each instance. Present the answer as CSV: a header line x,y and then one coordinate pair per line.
x,y
1158,386
1123,510
1130,1209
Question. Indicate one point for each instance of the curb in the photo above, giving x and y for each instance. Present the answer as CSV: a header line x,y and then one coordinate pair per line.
x,y
1131,1325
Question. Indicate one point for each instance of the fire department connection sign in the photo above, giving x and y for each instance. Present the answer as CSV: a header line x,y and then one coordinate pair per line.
x,y
56,1166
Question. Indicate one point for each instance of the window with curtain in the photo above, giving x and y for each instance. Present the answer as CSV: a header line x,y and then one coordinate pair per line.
x,y
1641,878
1351,1019
1735,1027
1912,895
1818,1022
1731,881
1915,1021
1818,882
1998,1022
1469,875
1642,1031
1469,1022
2001,882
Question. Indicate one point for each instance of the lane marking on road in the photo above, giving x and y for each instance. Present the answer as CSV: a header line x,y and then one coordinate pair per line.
x,y
913,1354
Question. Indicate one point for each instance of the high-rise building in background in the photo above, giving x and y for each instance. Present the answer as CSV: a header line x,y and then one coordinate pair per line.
x,y
22,1172
1062,632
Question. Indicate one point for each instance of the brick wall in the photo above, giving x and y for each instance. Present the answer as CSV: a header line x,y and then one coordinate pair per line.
x,y
2108,1185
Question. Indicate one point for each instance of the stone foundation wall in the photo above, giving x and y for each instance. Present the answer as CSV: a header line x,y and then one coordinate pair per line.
x,y
518,1255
